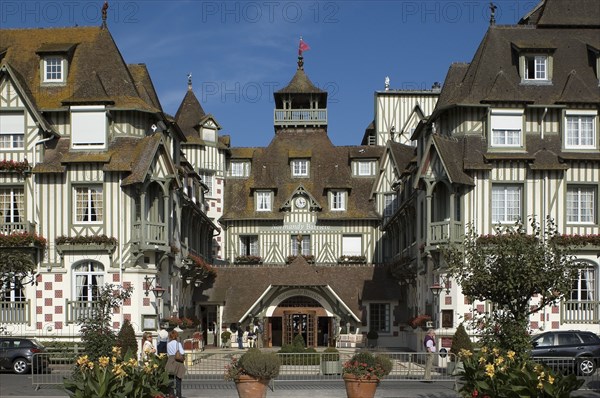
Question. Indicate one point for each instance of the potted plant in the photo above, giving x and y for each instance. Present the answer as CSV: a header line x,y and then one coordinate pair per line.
x,y
252,372
330,361
372,338
363,372
460,341
225,339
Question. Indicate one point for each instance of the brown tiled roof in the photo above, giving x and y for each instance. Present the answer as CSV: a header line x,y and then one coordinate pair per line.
x,y
189,114
300,83
88,81
402,154
569,13
451,152
353,285
329,169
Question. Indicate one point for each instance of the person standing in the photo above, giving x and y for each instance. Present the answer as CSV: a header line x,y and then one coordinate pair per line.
x,y
240,337
162,339
147,346
175,361
429,343
258,331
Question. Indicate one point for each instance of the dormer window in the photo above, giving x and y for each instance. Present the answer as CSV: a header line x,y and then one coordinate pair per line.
x,y
299,168
338,200
536,67
88,127
506,128
364,168
239,168
53,70
263,200
209,135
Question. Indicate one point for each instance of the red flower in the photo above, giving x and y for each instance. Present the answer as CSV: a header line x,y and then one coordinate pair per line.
x,y
475,393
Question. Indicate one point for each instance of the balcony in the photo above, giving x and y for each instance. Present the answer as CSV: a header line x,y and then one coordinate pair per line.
x,y
150,234
15,312
580,311
79,310
446,231
300,117
17,227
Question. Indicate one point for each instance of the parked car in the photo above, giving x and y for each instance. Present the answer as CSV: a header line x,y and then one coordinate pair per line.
x,y
570,350
18,354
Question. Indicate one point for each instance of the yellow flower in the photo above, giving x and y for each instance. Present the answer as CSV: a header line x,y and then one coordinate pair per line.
x,y
103,361
132,362
540,386
465,353
90,365
119,372
82,361
114,359
481,360
484,350
496,351
499,361
117,351
489,370
511,354
550,379
162,355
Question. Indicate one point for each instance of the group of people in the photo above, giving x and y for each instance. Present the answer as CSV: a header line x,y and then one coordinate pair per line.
x,y
167,343
252,335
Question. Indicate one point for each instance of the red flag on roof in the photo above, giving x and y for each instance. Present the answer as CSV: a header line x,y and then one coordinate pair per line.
x,y
302,47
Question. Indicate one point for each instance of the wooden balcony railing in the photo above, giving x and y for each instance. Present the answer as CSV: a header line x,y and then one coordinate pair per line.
x,y
574,311
151,234
300,117
79,310
446,232
16,227
15,312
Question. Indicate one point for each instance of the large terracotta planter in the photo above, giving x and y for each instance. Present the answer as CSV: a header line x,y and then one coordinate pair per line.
x,y
250,387
360,388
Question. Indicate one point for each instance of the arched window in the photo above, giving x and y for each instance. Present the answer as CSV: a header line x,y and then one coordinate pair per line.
x,y
584,284
89,277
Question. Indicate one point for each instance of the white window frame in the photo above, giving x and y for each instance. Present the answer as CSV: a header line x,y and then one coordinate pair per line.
x,y
352,245
573,139
300,167
208,178
89,127
581,204
506,126
60,69
12,130
503,200
305,245
238,168
88,278
389,204
384,318
584,283
12,204
88,204
248,245
209,135
540,67
263,200
338,200
364,168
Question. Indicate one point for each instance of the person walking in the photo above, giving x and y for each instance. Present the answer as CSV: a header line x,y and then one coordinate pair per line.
x,y
175,361
147,346
429,343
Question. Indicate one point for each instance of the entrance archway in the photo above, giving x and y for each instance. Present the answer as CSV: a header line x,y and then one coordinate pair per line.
x,y
300,315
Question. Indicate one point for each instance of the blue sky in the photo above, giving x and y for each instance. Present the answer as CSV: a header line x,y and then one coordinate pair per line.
x,y
239,52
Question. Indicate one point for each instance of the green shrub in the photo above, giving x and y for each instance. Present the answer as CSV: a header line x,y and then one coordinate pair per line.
x,y
460,341
259,364
367,365
372,335
331,354
299,342
126,339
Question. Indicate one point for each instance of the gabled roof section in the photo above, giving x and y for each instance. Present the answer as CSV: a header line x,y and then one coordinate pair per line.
x,y
569,13
144,85
576,91
402,155
144,154
88,80
189,114
450,151
415,114
301,191
300,83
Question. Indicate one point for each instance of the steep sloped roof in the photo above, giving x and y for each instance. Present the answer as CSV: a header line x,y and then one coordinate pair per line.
x,y
189,114
300,83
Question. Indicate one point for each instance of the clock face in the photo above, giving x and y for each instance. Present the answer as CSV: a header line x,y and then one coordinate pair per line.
x,y
300,202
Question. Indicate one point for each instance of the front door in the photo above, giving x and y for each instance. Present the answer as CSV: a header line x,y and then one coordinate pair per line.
x,y
300,322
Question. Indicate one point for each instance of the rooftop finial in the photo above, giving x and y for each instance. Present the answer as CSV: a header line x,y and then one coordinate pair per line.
x,y
387,83
104,12
493,8
301,48
190,81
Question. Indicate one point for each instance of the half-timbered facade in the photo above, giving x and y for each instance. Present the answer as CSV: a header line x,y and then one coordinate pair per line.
x,y
513,135
103,181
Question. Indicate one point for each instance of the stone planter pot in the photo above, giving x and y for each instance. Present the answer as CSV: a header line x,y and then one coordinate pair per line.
x,y
331,367
360,388
250,387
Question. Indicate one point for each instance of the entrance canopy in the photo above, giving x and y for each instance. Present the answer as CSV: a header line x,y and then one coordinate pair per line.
x,y
273,295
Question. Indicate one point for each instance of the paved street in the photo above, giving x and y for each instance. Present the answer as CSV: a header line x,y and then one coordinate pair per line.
x,y
20,386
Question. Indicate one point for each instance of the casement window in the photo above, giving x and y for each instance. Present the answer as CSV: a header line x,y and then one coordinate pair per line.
x,y
300,244
263,200
89,278
506,203
338,200
379,317
249,245
299,168
584,283
12,205
352,245
580,130
506,128
12,290
12,130
88,204
536,67
88,127
365,168
208,178
239,168
55,70
581,204
389,204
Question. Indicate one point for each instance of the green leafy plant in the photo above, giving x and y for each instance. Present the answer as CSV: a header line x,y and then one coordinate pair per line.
x,y
366,365
331,354
248,259
309,355
117,376
255,363
126,339
86,240
460,341
498,373
225,338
